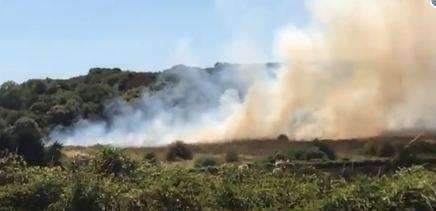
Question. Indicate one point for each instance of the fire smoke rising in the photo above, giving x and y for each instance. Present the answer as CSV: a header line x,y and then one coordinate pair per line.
x,y
360,68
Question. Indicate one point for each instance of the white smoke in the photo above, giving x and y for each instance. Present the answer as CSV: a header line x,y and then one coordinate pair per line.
x,y
192,107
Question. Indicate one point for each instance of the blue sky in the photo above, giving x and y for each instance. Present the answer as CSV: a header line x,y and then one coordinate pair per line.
x,y
64,38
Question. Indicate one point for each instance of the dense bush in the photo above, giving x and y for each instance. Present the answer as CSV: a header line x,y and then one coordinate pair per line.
x,y
370,148
231,155
405,155
386,149
275,156
326,149
282,137
314,153
113,161
151,157
205,160
380,149
423,147
24,138
179,150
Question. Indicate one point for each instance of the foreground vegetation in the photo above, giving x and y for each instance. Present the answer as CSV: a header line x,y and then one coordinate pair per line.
x,y
114,181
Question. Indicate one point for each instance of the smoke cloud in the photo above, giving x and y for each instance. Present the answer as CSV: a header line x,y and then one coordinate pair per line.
x,y
361,68
192,106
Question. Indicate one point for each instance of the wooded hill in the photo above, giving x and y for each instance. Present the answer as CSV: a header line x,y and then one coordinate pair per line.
x,y
30,110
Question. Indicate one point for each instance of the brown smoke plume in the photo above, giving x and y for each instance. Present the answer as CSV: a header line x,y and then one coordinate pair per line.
x,y
360,69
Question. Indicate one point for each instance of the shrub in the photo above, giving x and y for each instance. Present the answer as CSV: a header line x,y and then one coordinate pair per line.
x,y
150,157
86,197
177,189
422,147
232,155
292,154
370,148
205,160
24,138
80,160
272,158
299,154
326,149
61,114
112,161
47,192
386,149
179,150
380,149
8,159
33,196
314,153
282,137
405,156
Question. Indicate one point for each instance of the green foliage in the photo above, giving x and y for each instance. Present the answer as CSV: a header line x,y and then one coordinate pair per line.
x,y
96,93
61,115
405,155
87,194
132,94
314,153
380,149
423,147
280,155
111,161
309,153
386,149
24,138
37,87
151,158
179,188
326,149
50,103
205,160
232,155
55,102
370,148
179,150
8,159
10,96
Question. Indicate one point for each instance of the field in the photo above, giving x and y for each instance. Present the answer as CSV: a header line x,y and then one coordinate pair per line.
x,y
250,150
245,174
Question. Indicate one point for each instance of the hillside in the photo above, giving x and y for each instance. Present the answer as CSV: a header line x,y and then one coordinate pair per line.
x,y
40,105
52,102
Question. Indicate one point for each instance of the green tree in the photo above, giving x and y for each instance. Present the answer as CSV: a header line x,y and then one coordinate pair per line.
x,y
25,138
10,96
